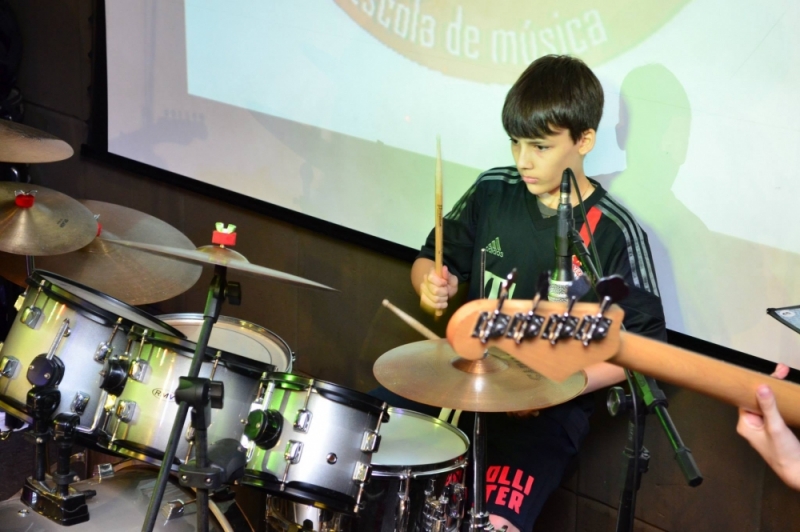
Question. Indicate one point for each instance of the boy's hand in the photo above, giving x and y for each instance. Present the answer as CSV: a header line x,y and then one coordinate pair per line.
x,y
435,291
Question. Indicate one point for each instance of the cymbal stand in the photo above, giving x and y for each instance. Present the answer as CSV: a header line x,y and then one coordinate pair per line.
x,y
218,291
479,517
30,265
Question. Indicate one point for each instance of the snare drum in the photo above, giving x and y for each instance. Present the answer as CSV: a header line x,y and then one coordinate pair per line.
x,y
417,483
312,441
237,336
63,336
141,420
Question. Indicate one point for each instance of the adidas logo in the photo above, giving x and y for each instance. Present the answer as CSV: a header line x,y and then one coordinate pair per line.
x,y
494,248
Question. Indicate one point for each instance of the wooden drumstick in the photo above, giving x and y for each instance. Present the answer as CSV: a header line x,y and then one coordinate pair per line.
x,y
438,227
444,415
416,325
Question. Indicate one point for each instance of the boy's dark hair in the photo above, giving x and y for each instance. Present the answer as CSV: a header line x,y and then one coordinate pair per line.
x,y
555,91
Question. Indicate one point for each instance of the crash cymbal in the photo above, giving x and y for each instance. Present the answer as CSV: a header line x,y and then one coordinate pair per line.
x,y
430,372
42,221
24,144
222,256
133,276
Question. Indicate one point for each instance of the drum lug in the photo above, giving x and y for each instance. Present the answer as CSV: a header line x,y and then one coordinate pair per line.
x,y
138,370
79,403
370,442
303,420
178,508
125,411
293,451
104,471
8,366
362,472
103,351
30,316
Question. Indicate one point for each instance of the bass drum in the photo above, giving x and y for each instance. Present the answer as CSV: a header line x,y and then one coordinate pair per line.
x,y
417,484
120,505
67,335
237,336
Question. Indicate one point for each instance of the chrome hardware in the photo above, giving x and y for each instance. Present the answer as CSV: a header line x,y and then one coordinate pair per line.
x,y
102,352
20,300
9,366
104,471
369,443
178,508
79,403
331,458
303,420
494,324
293,451
30,316
125,411
214,367
62,333
361,472
138,370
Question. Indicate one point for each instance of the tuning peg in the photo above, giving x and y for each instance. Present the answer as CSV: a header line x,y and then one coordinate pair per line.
x,y
595,327
562,325
528,325
613,287
495,324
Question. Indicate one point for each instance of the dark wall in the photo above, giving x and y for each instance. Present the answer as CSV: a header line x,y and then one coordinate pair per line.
x,y
338,336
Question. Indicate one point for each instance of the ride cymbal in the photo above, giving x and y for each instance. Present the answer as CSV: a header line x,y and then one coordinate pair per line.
x,y
130,275
25,144
36,220
430,372
222,256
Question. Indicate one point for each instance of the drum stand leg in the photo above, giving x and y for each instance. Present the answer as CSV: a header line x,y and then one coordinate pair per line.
x,y
479,517
60,505
218,291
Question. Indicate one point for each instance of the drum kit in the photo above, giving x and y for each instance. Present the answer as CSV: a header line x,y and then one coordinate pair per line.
x,y
81,363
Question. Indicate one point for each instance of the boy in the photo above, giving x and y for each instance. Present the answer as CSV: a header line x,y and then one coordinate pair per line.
x,y
551,115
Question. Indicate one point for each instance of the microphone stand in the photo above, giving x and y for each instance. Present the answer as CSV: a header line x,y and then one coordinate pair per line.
x,y
645,398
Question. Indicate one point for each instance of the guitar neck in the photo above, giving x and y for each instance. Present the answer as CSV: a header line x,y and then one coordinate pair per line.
x,y
705,375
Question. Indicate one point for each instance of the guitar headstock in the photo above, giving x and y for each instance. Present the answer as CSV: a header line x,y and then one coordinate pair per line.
x,y
556,340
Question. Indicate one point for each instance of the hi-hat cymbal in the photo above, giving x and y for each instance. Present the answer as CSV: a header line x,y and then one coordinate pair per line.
x,y
47,223
24,144
130,275
430,372
222,256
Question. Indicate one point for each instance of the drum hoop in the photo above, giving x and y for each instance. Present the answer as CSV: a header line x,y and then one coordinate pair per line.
x,y
232,361
328,390
90,310
263,331
391,470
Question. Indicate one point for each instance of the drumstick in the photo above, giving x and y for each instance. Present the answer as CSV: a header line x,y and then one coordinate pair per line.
x,y
430,335
416,325
438,228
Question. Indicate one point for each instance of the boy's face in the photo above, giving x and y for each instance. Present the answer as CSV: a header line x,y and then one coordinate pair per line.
x,y
541,161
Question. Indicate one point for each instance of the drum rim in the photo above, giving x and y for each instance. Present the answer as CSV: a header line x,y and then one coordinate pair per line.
x,y
367,403
37,279
389,470
234,321
232,361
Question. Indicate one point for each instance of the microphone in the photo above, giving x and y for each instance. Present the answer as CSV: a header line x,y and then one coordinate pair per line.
x,y
562,276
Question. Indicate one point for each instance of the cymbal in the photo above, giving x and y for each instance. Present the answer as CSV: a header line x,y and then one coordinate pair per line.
x,y
25,144
430,372
52,224
222,256
130,275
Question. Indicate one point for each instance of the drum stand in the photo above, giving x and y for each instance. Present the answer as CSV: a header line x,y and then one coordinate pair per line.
x,y
201,395
479,517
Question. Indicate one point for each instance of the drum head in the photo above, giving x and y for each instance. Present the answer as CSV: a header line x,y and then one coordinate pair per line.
x,y
411,440
236,336
97,302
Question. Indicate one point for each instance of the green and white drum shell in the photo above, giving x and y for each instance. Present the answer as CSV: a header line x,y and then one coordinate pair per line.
x,y
142,418
120,505
237,336
418,453
326,473
92,319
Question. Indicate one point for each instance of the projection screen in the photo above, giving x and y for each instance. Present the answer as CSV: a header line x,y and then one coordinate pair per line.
x,y
331,108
